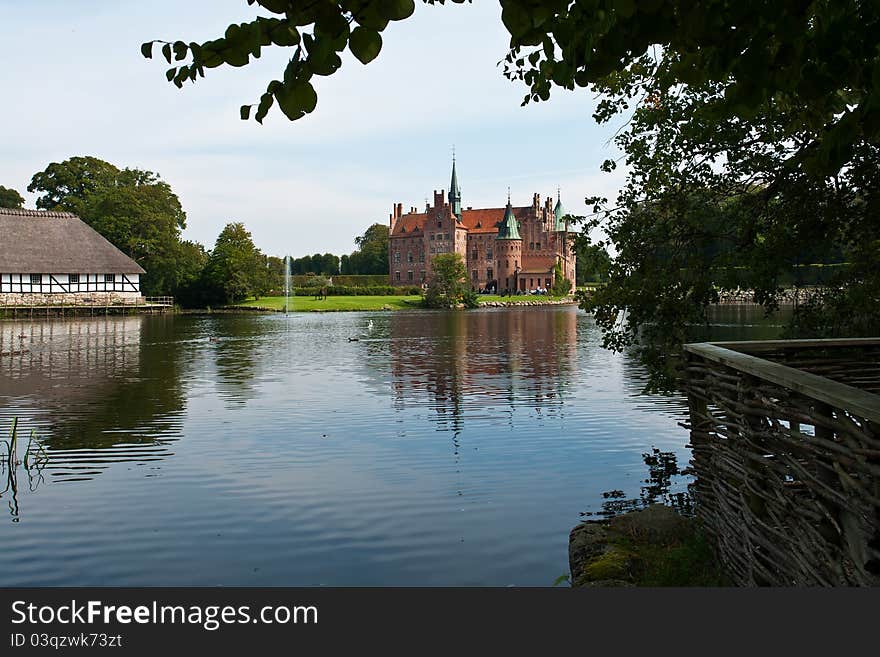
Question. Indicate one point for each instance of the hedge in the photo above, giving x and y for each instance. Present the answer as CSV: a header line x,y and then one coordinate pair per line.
x,y
358,291
345,280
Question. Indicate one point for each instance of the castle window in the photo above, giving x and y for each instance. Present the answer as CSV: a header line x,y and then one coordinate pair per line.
x,y
439,224
422,274
409,276
397,275
409,257
507,264
489,274
422,256
432,237
474,275
474,254
488,254
397,256
538,246
531,246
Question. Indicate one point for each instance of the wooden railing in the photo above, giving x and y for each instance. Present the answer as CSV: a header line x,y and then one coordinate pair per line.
x,y
160,301
786,458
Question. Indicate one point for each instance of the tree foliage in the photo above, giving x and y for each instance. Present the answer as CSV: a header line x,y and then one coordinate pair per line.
x,y
235,269
371,256
10,198
317,32
448,284
134,209
561,285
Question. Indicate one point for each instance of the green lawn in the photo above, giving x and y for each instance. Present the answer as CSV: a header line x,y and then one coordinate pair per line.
x,y
305,304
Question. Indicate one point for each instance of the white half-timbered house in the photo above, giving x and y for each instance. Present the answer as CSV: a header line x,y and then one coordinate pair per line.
x,y
56,253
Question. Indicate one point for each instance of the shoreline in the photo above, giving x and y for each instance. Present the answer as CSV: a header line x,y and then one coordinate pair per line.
x,y
406,305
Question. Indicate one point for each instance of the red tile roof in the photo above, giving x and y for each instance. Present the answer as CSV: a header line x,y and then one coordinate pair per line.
x,y
476,221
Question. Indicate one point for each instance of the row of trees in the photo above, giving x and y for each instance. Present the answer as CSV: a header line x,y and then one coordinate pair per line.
x,y
370,257
140,214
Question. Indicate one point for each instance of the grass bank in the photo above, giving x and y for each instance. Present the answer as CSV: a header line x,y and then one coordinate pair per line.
x,y
336,303
651,547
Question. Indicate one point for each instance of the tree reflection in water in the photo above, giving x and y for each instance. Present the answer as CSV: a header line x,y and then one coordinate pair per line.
x,y
663,475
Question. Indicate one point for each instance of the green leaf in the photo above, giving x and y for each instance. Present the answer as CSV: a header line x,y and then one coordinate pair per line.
x,y
266,101
365,44
245,112
166,51
297,100
397,10
147,49
180,49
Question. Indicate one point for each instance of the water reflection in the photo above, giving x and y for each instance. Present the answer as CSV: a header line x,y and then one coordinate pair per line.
x,y
97,391
473,364
666,484
439,448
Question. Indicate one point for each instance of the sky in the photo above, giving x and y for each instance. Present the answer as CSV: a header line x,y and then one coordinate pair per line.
x,y
74,83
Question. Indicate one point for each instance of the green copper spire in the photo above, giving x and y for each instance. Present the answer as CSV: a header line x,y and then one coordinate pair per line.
x,y
455,192
560,213
509,229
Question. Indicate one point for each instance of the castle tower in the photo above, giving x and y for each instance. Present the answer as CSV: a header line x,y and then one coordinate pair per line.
x,y
508,246
564,250
455,194
559,213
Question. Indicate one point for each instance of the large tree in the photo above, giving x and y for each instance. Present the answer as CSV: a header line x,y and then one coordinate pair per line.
x,y
10,198
371,256
134,209
235,269
448,284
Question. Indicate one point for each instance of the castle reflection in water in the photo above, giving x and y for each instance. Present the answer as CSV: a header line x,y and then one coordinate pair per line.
x,y
465,363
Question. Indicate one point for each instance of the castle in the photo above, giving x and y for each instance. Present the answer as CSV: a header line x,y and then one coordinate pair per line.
x,y
506,249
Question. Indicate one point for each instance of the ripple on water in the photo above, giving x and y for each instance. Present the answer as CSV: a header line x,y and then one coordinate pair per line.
x,y
439,449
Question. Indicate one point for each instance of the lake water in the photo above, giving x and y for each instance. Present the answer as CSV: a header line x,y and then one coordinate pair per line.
x,y
438,449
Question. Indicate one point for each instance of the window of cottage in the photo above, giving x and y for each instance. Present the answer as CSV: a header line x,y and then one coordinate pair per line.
x,y
35,279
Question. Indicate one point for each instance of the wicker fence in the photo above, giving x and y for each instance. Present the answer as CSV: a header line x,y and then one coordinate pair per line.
x,y
786,453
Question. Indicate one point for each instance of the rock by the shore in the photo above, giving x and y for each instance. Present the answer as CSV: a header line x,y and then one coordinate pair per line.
x,y
610,552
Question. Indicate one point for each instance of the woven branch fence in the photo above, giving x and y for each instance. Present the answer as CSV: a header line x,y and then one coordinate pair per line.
x,y
786,455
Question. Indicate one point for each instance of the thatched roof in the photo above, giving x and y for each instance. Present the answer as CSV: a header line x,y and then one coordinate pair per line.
x,y
40,242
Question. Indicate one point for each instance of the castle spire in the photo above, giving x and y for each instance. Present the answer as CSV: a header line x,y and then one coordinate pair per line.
x,y
509,229
455,191
559,212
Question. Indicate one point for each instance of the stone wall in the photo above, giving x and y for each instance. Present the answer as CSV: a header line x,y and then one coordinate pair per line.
x,y
10,299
